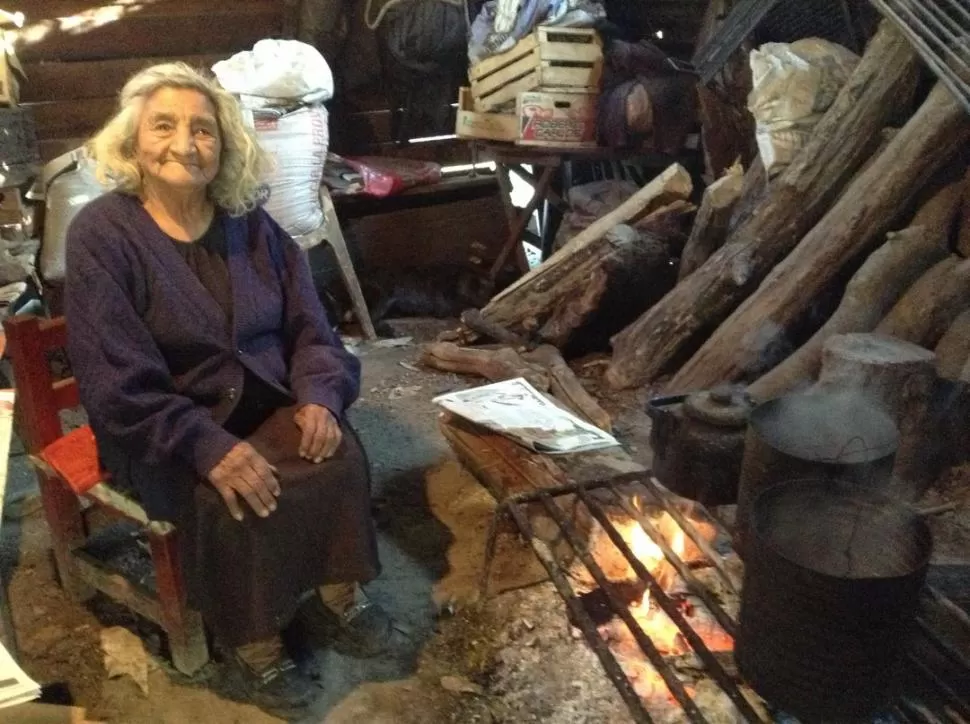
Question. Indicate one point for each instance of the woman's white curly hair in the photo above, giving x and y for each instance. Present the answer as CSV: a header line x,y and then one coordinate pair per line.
x,y
236,185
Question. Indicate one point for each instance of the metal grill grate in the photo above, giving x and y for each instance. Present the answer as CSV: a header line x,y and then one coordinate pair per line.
x,y
929,699
940,32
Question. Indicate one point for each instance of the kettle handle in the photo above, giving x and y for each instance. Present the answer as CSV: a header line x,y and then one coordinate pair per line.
x,y
655,403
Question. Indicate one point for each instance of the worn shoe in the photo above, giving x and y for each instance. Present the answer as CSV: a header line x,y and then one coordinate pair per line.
x,y
279,687
364,630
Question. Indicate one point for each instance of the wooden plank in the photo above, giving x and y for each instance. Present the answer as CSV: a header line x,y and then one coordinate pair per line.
x,y
506,468
465,233
145,31
557,76
67,119
512,72
495,62
129,593
507,93
571,52
37,10
60,81
51,148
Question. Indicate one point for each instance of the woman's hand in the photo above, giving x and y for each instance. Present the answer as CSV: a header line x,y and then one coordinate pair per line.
x,y
321,432
245,472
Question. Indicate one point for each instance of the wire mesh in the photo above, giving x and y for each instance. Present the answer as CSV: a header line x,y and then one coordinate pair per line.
x,y
940,32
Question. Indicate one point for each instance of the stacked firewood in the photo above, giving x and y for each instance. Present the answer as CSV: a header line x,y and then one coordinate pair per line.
x,y
867,230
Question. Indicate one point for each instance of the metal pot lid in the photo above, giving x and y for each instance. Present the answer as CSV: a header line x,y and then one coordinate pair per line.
x,y
725,406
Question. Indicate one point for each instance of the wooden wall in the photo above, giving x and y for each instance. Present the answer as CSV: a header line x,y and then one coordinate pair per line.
x,y
78,53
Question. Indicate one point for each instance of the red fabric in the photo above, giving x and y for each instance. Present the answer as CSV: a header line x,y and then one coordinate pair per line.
x,y
75,458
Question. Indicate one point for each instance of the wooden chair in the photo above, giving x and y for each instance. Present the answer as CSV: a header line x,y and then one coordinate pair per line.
x,y
40,399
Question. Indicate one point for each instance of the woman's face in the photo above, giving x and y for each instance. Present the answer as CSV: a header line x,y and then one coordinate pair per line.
x,y
178,143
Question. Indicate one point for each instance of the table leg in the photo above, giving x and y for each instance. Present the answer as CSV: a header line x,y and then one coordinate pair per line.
x,y
519,220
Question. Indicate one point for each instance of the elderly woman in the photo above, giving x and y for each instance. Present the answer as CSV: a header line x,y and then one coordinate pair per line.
x,y
214,382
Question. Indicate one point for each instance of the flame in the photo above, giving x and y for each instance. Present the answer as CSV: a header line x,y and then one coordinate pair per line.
x,y
646,551
665,635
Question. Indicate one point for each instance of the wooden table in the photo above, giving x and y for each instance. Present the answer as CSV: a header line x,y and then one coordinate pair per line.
x,y
550,178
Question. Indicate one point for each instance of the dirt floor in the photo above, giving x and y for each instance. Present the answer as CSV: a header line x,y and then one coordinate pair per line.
x,y
511,658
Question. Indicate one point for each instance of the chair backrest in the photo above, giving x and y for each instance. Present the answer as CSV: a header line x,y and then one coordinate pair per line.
x,y
40,396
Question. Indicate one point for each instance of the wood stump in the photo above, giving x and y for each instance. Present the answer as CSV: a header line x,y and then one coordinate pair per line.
x,y
901,377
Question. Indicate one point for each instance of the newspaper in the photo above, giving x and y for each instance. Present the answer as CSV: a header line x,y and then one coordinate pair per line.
x,y
516,409
15,686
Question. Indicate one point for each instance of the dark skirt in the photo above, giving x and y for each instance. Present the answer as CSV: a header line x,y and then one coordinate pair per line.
x,y
247,578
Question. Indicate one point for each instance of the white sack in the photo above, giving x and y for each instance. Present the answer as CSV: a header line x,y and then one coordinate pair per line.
x,y
276,73
297,143
792,86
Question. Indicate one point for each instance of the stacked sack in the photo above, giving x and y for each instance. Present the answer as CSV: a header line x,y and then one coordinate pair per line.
x,y
282,85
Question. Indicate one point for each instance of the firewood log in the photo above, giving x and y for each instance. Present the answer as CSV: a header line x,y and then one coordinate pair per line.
x,y
925,312
900,376
871,293
754,189
525,305
633,260
473,320
963,232
543,367
797,199
727,126
863,214
565,386
494,365
953,351
710,226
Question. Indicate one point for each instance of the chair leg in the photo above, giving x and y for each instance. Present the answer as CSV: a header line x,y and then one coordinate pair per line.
x,y
335,237
62,510
185,629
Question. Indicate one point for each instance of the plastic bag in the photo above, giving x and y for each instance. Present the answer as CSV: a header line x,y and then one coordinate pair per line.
x,y
385,176
792,86
502,23
276,73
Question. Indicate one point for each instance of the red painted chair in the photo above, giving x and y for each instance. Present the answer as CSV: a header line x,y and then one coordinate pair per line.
x,y
72,518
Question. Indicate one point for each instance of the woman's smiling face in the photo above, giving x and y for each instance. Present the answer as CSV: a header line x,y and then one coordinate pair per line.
x,y
178,143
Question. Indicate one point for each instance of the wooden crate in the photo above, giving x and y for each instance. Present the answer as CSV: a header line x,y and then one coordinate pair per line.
x,y
470,123
549,58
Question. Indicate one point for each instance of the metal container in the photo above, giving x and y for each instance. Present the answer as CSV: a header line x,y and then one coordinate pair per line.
x,y
698,443
831,591
837,435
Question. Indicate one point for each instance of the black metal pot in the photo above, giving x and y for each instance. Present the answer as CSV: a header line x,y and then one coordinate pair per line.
x,y
837,435
698,443
831,591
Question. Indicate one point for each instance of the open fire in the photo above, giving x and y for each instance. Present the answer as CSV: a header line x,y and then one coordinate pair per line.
x,y
656,624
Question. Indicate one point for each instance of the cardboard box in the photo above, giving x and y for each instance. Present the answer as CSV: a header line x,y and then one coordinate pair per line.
x,y
470,123
559,119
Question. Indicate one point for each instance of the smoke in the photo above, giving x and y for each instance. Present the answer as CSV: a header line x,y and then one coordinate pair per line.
x,y
829,426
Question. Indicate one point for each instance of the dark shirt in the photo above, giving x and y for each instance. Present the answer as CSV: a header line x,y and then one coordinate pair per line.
x,y
206,257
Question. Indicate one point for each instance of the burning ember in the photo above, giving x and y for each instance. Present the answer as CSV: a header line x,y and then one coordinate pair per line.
x,y
657,625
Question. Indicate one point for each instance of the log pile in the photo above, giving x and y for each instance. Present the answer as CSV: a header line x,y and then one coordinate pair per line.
x,y
866,231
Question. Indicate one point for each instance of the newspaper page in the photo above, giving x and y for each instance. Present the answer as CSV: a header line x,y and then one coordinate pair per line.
x,y
516,409
15,686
